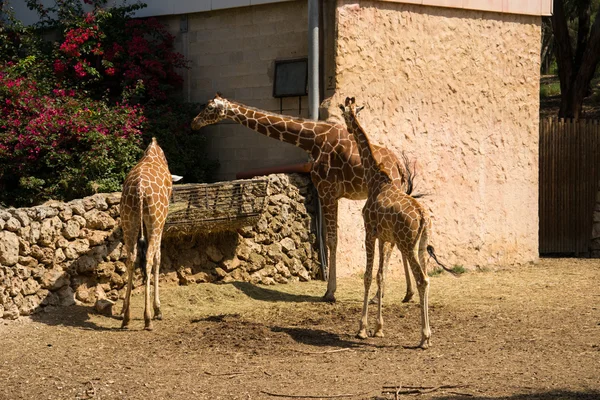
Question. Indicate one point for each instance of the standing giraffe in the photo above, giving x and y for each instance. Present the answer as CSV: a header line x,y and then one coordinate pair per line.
x,y
144,208
336,172
390,215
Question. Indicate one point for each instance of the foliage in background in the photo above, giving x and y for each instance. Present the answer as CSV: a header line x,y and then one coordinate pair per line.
x,y
549,89
73,108
61,145
170,124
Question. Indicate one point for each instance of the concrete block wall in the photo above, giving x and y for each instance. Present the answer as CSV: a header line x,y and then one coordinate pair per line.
x,y
232,51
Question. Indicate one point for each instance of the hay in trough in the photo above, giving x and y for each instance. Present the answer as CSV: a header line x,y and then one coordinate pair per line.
x,y
212,207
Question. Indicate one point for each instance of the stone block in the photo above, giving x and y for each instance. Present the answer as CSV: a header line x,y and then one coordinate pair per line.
x,y
12,224
71,229
214,254
9,248
100,220
54,279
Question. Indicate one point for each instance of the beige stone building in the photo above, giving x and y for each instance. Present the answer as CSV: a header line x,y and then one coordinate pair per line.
x,y
454,83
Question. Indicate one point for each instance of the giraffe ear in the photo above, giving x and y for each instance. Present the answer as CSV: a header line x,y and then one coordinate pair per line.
x,y
342,107
218,95
359,109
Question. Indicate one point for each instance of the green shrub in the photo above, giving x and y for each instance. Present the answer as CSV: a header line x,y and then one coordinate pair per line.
x,y
72,110
550,89
62,146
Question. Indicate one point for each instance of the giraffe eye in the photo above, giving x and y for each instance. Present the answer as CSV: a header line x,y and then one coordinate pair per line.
x,y
210,107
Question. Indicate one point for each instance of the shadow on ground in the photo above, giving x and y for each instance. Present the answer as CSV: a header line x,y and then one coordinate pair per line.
x,y
319,337
75,316
264,294
550,395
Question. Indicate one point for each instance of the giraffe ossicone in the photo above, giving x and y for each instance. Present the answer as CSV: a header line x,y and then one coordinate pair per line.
x,y
336,171
144,208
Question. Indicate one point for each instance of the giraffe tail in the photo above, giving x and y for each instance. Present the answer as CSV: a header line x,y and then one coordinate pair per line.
x,y
142,249
410,174
142,244
431,252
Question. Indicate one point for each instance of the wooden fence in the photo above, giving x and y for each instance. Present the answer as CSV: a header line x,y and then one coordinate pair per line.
x,y
569,173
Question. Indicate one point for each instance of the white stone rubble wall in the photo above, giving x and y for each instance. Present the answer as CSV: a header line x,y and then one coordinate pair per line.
x,y
59,253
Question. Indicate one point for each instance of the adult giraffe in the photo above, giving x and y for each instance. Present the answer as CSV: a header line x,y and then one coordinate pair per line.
x,y
337,171
144,208
390,216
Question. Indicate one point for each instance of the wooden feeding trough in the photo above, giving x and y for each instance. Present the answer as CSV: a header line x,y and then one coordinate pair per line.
x,y
211,207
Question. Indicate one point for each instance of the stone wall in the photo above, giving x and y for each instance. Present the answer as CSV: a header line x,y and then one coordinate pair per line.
x,y
61,253
458,90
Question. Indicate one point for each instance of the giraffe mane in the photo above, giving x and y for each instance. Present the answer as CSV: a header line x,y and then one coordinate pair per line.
x,y
271,113
350,103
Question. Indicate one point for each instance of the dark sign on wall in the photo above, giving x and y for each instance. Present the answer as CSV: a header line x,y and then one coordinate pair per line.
x,y
291,78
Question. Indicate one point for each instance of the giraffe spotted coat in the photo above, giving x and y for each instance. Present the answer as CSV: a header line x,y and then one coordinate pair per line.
x,y
144,208
337,171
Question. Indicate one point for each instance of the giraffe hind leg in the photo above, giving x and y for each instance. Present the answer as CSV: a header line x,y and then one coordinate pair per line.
x,y
148,267
410,291
420,272
157,311
383,262
131,232
131,251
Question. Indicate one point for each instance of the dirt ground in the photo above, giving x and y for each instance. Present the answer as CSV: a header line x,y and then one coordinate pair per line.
x,y
529,332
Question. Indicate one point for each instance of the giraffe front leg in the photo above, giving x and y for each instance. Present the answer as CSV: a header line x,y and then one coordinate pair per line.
x,y
386,253
383,247
370,249
330,218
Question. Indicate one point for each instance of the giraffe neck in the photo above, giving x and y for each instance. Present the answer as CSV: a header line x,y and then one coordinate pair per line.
x,y
366,151
297,131
154,153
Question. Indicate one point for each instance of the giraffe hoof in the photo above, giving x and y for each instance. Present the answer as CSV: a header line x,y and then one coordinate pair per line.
x,y
362,334
425,344
158,315
329,298
379,333
149,327
407,298
125,325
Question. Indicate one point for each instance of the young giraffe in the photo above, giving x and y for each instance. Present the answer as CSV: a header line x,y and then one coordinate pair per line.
x,y
390,215
144,208
337,171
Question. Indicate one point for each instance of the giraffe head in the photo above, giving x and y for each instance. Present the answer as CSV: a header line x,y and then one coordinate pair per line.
x,y
350,110
214,111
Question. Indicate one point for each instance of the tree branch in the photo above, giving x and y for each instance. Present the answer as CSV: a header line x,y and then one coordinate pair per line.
x,y
589,61
563,49
583,30
300,396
